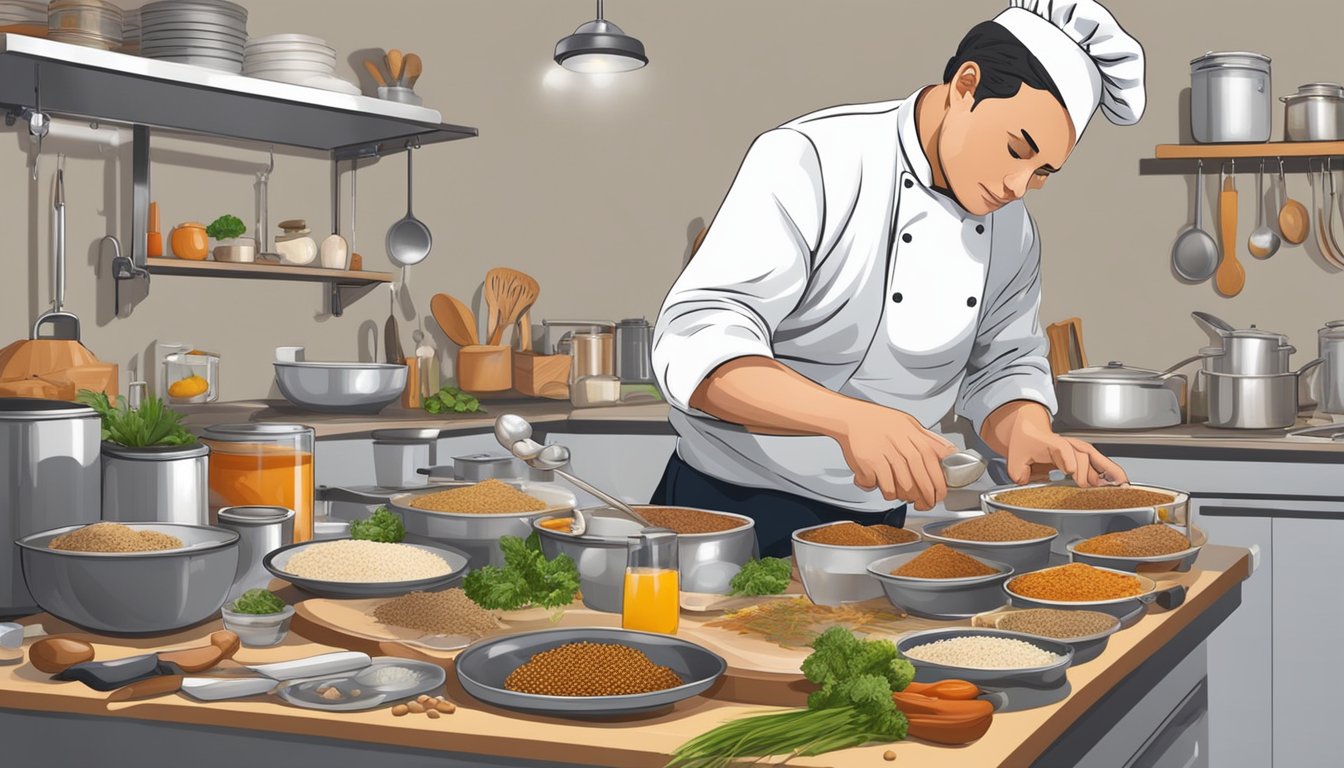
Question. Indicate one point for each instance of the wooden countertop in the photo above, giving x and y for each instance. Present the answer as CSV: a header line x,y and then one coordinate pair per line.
x,y
1015,739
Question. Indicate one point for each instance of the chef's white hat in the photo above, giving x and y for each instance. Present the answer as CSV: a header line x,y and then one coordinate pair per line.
x,y
1092,60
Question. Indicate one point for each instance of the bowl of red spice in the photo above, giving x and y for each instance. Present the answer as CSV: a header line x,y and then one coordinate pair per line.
x,y
1000,536
833,559
1155,548
941,583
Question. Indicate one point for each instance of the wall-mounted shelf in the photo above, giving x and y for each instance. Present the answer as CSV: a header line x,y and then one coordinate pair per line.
x,y
1184,158
336,279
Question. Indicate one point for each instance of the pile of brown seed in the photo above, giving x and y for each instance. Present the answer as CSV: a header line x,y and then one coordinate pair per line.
x,y
1068,497
1076,582
489,497
690,521
855,535
1057,623
427,705
449,612
999,525
591,669
1145,541
114,537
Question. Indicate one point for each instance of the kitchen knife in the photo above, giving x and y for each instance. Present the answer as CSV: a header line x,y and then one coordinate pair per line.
x,y
235,687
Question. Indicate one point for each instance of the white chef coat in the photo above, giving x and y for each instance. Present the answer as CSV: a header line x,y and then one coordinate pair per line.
x,y
833,255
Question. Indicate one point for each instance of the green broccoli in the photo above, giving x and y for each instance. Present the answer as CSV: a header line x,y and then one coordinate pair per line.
x,y
226,227
381,526
767,576
527,578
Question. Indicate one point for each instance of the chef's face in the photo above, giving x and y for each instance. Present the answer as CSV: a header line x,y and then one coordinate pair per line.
x,y
993,152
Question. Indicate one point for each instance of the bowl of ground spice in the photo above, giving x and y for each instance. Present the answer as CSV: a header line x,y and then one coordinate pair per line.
x,y
1081,513
1078,586
586,672
1000,536
941,583
133,578
1086,631
833,559
473,517
1155,548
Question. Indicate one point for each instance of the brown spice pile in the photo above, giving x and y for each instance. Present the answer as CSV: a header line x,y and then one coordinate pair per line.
x,y
1076,582
796,622
489,497
855,535
1146,541
591,669
114,537
1067,497
1057,623
1000,525
943,562
689,520
449,612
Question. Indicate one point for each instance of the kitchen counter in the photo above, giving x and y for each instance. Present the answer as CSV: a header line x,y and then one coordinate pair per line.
x,y
66,724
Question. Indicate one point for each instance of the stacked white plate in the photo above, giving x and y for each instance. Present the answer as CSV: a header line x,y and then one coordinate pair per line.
x,y
91,23
297,59
30,15
207,33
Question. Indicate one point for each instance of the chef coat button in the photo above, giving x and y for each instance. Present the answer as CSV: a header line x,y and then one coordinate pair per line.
x,y
979,229
896,297
906,238
970,302
909,183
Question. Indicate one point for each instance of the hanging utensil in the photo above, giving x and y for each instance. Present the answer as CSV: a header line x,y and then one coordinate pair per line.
x,y
63,325
391,334
1230,276
455,318
409,240
1263,242
354,216
1325,220
1194,256
1294,221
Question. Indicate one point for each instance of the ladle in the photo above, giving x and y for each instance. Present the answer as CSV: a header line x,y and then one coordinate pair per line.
x,y
1264,242
1194,256
1294,221
409,240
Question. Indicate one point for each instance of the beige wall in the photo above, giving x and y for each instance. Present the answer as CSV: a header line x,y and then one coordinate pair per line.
x,y
595,190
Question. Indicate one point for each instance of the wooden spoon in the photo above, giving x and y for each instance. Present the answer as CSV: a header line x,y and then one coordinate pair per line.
x,y
375,72
1231,276
455,318
414,68
1294,221
394,63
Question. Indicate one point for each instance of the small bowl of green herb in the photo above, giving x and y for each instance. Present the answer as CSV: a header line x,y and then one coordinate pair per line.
x,y
259,618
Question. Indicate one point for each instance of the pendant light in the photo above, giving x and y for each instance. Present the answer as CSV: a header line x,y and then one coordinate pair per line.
x,y
598,47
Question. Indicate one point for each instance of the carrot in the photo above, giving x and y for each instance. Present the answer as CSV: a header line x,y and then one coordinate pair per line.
x,y
948,729
945,689
918,704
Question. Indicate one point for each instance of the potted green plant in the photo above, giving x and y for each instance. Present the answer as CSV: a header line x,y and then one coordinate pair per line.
x,y
230,245
258,617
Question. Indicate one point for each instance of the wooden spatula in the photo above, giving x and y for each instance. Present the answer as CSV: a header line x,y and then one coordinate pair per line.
x,y
1231,276
455,318
375,73
509,293
394,62
414,67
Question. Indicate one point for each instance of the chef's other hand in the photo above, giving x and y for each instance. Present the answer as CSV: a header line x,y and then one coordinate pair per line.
x,y
1033,443
889,450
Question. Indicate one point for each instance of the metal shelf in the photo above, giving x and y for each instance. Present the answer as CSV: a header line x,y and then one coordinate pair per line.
x,y
1181,159
336,279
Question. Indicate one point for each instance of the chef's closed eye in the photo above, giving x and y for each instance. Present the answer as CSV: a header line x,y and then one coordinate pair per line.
x,y
1024,147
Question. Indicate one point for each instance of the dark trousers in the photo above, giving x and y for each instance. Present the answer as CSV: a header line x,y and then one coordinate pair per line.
x,y
777,514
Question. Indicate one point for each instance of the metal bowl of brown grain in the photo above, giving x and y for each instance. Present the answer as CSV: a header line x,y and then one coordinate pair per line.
x,y
1081,513
475,532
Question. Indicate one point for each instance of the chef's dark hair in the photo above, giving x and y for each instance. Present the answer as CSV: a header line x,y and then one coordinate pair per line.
x,y
1005,64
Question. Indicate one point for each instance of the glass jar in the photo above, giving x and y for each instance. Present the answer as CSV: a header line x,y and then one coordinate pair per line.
x,y
191,377
263,465
652,600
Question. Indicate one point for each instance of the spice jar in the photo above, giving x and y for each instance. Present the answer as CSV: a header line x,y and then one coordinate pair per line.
x,y
652,601
261,530
190,242
263,465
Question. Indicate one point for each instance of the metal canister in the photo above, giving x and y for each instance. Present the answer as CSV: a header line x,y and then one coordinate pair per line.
x,y
593,355
1230,97
634,350
261,530
167,484
1330,346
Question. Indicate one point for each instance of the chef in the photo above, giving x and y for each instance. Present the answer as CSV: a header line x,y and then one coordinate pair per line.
x,y
872,268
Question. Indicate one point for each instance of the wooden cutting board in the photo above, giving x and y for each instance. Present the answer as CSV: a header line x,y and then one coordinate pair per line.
x,y
759,670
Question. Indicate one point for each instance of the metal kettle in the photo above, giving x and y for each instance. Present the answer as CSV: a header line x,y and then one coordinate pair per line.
x,y
634,350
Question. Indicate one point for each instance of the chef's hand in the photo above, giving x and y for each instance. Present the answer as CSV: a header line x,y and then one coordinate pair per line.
x,y
890,450
1031,440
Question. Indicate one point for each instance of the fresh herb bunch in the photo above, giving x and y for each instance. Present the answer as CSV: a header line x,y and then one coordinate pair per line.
x,y
767,576
380,526
258,601
226,227
527,578
452,400
852,707
152,424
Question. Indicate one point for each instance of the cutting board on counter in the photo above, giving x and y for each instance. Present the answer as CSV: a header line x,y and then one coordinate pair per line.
x,y
760,671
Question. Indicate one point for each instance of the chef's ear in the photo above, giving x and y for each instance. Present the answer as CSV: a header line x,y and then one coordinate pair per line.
x,y
966,81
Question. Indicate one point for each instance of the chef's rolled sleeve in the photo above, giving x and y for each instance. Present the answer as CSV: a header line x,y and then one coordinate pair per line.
x,y
1009,361
751,270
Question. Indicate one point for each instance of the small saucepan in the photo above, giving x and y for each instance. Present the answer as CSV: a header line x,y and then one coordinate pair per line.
x,y
1117,396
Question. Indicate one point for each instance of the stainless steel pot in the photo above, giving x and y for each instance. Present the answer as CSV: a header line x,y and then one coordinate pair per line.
x,y
49,477
1314,113
1116,396
1240,401
156,485
1230,97
1330,377
1253,352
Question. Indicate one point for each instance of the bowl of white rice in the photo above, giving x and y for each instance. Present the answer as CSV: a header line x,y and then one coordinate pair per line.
x,y
358,568
986,657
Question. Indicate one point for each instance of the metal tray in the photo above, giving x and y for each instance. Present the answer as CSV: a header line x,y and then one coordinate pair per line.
x,y
483,667
1049,676
303,693
1179,562
940,598
457,560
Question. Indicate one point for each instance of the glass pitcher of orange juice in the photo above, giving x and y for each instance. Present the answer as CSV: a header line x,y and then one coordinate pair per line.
x,y
652,584
263,465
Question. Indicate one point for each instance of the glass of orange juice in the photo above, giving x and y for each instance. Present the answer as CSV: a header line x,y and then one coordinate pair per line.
x,y
263,465
652,583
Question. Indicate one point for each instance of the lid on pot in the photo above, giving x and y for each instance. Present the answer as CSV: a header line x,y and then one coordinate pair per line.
x,y
1114,372
633,322
155,452
1256,333
1332,330
1329,90
35,409
408,436
1230,60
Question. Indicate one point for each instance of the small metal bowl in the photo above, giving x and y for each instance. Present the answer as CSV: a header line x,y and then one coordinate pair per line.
x,y
1085,647
940,598
475,534
1048,676
276,560
1025,555
833,574
1179,562
1120,607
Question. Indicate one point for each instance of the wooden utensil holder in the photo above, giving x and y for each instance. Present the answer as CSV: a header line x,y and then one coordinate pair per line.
x,y
484,368
541,375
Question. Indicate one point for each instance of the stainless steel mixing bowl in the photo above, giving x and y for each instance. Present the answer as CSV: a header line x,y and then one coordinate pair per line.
x,y
341,387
